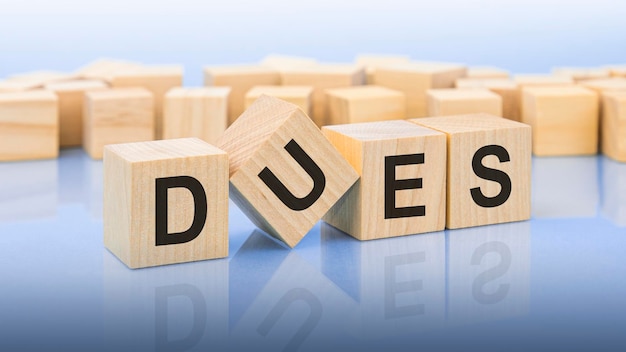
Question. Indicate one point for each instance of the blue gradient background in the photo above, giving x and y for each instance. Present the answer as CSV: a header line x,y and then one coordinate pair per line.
x,y
562,273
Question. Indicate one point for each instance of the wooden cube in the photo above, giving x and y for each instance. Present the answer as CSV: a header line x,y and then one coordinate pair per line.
x,y
284,174
403,179
71,96
196,112
606,84
280,62
580,74
415,78
240,78
488,169
564,120
505,88
614,125
29,125
322,77
485,72
364,104
158,80
373,61
442,102
165,202
120,115
298,95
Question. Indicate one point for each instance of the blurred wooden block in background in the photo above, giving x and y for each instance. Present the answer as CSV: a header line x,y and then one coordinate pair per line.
x,y
240,79
33,80
364,104
298,95
281,62
71,96
614,125
158,80
284,174
372,61
118,115
322,77
165,202
403,179
415,78
606,84
580,74
442,102
196,112
505,88
29,125
105,69
617,70
564,119
484,72
489,165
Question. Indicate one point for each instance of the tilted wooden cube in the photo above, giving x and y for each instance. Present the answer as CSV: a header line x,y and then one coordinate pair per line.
x,y
322,77
489,161
120,115
240,78
196,112
299,95
158,80
403,179
373,61
29,125
165,202
71,97
614,125
486,72
564,120
415,78
284,174
442,102
364,104
505,88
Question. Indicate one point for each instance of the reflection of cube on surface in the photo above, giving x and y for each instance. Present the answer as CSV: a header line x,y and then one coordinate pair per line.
x,y
298,95
442,102
120,115
564,119
614,125
29,125
196,112
364,104
165,202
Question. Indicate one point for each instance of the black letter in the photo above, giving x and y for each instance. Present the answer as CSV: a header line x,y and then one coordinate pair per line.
x,y
491,174
393,288
162,295
392,185
305,161
200,209
491,274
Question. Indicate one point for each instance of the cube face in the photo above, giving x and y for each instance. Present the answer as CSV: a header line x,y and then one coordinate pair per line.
x,y
196,112
29,126
564,120
614,125
489,160
181,180
298,95
121,115
364,104
385,154
442,102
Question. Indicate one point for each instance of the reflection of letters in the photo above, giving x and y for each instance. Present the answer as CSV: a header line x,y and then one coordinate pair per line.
x,y
491,274
393,288
162,295
296,294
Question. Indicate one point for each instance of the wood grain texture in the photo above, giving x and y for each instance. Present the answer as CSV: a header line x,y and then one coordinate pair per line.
x,y
564,120
29,125
366,146
257,140
364,104
322,77
467,135
240,78
157,79
506,88
442,102
298,95
196,112
580,74
614,125
119,115
130,173
486,72
415,78
372,61
71,97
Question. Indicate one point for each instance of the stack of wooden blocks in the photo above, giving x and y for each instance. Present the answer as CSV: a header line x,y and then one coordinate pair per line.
x,y
380,148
